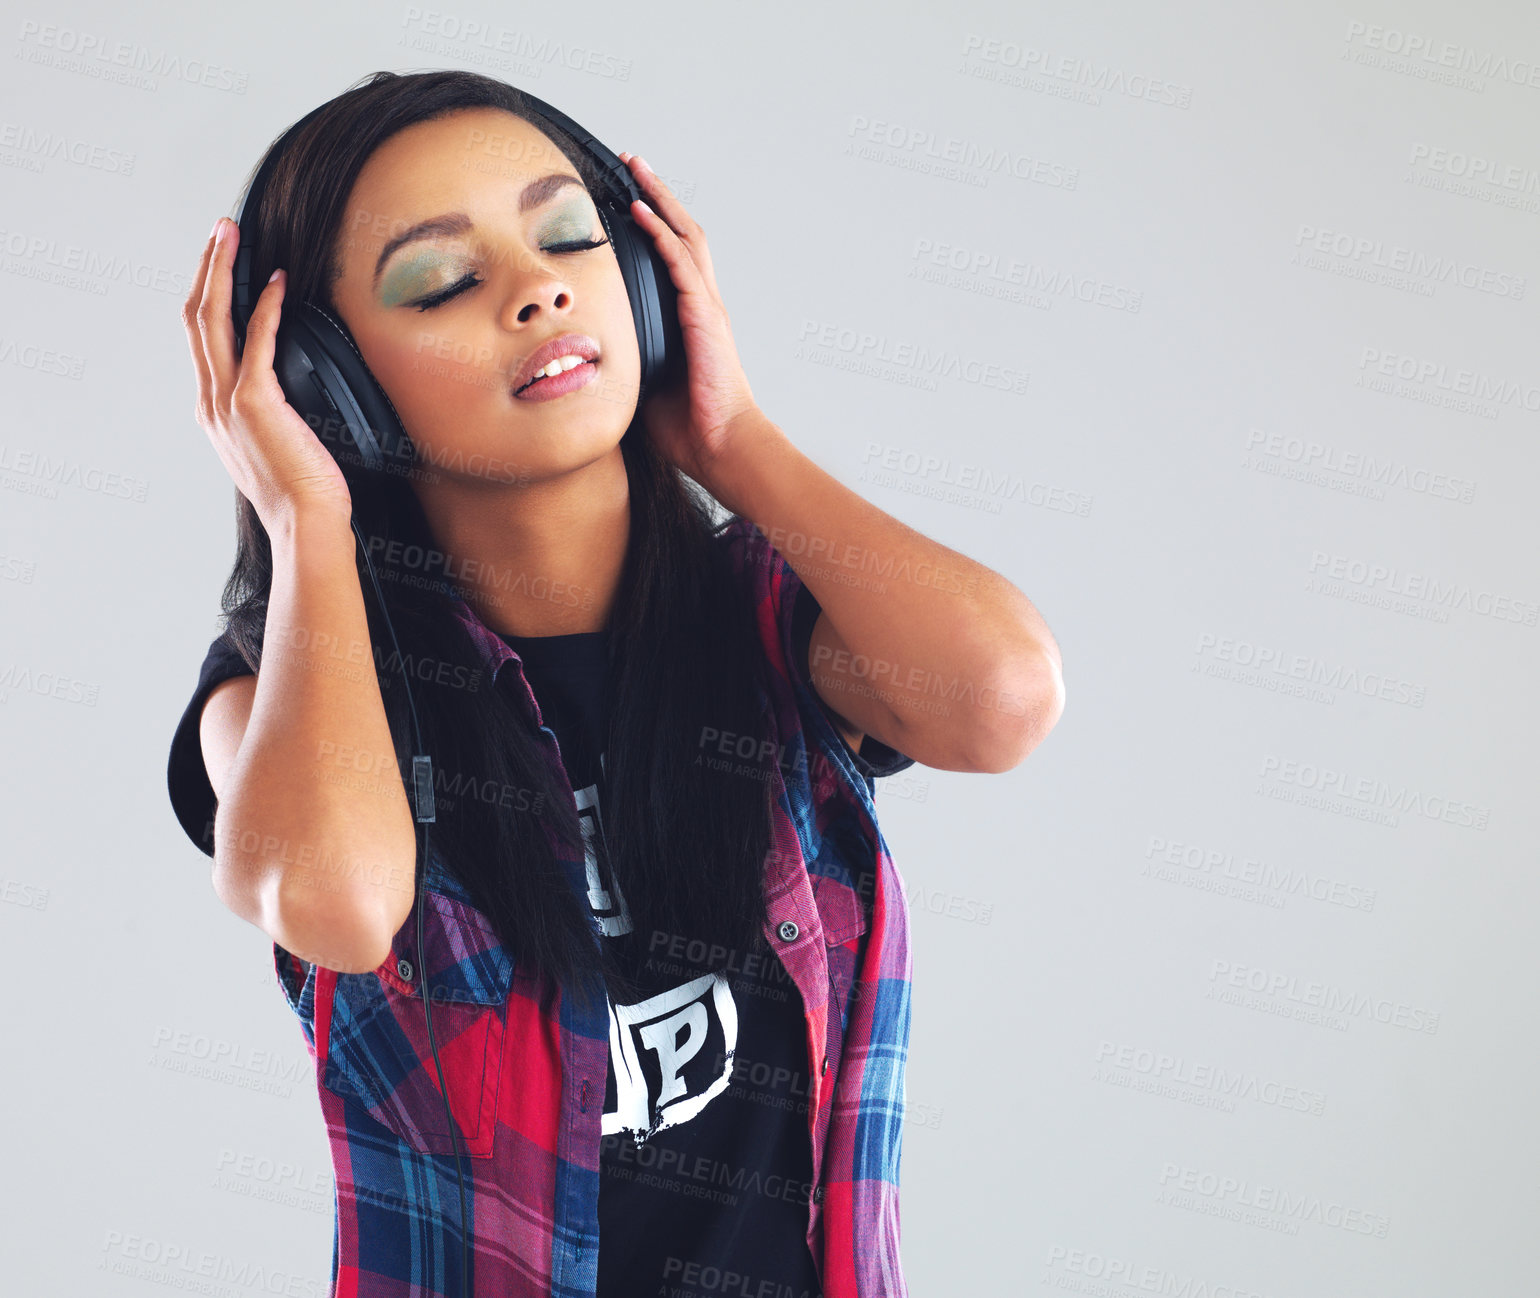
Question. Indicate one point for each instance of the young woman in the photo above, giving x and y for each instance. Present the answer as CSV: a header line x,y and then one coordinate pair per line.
x,y
666,944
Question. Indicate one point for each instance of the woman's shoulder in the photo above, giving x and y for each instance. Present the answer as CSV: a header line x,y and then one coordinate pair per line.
x,y
786,612
753,556
771,584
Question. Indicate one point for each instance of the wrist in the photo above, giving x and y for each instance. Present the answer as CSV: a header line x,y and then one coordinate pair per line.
x,y
311,526
739,459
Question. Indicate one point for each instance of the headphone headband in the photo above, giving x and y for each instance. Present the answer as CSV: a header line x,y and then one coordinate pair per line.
x,y
243,299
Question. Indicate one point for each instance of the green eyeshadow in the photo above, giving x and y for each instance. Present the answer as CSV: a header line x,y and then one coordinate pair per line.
x,y
418,275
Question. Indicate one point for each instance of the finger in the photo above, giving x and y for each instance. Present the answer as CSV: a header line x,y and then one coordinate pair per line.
x,y
194,335
214,321
664,202
654,186
675,253
262,330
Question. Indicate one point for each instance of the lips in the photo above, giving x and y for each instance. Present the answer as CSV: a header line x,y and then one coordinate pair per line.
x,y
564,345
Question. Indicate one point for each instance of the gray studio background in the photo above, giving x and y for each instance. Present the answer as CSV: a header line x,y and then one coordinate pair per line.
x,y
1230,987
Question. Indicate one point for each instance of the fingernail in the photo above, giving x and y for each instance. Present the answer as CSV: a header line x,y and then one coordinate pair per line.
x,y
641,162
214,233
276,273
647,205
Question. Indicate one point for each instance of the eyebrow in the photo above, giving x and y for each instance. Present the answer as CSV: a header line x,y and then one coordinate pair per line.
x,y
532,195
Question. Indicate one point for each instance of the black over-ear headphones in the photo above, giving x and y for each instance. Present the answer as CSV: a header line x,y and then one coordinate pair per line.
x,y
324,377
322,372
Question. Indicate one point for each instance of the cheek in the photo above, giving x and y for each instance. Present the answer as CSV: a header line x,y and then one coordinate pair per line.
x,y
436,374
624,358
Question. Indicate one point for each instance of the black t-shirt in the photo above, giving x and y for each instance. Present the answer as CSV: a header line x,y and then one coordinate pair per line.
x,y
705,1160
187,779
192,797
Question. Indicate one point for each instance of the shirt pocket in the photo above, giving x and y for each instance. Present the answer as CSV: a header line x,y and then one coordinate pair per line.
x,y
843,880
840,909
845,923
378,1051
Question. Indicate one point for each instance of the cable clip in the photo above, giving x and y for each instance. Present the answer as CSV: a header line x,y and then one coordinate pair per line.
x,y
422,786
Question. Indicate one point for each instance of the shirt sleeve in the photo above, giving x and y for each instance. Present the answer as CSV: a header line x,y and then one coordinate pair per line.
x,y
874,758
187,781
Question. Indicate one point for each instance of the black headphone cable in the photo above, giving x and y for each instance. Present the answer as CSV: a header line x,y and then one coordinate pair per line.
x,y
424,814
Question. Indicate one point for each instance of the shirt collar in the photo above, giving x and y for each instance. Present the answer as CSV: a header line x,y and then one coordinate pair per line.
x,y
491,648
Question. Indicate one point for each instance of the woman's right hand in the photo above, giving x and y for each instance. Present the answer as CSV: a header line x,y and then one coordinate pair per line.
x,y
274,457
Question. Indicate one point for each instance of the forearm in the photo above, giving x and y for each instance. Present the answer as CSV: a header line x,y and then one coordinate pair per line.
x,y
928,620
314,829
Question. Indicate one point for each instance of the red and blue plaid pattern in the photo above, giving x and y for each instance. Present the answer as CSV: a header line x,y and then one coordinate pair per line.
x,y
526,1069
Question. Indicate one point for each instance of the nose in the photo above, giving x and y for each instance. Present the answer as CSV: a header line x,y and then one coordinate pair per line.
x,y
541,292
552,299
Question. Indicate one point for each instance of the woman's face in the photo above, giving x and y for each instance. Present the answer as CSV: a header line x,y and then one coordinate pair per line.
x,y
464,248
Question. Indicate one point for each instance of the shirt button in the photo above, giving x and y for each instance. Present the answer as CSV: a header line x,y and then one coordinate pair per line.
x,y
818,1194
404,968
825,1067
787,930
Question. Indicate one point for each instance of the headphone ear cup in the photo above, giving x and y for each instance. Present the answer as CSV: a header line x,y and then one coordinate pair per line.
x,y
654,299
326,380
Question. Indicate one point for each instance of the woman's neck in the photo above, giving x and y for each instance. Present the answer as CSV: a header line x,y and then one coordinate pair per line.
x,y
536,559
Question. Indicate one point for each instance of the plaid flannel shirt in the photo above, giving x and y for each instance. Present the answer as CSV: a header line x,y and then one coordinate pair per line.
x,y
526,1069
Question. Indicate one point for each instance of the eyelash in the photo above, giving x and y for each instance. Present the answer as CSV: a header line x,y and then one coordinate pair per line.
x,y
470,281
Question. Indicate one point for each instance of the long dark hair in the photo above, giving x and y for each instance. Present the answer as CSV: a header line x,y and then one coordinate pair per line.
x,y
686,837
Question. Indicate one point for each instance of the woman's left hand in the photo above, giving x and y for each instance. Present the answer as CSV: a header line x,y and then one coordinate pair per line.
x,y
690,422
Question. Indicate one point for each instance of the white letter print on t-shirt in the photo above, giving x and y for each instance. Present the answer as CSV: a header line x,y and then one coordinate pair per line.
x,y
661,1048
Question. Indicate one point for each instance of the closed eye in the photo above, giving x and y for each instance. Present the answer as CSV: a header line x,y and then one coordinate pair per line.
x,y
575,245
471,280
443,295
